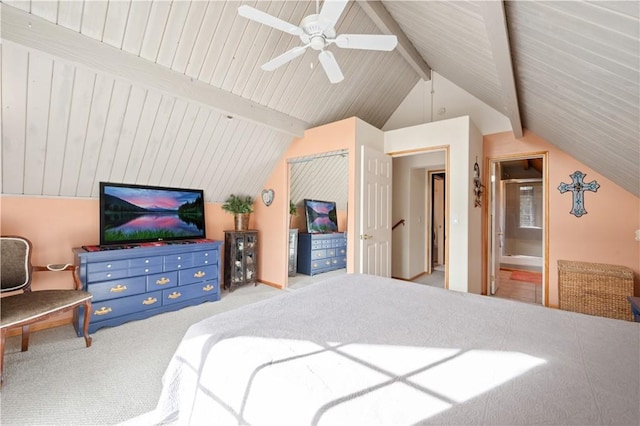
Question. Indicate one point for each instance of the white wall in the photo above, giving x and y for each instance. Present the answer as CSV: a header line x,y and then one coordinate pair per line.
x,y
440,99
464,142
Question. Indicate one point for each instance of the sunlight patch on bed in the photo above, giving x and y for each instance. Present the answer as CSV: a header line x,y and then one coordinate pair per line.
x,y
301,382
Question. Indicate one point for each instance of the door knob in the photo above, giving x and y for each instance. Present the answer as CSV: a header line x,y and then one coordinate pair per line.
x,y
366,237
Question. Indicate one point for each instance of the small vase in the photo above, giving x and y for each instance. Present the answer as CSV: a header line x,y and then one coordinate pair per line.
x,y
241,221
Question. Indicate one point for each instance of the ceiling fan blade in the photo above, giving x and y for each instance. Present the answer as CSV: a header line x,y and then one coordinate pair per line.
x,y
367,41
284,58
270,20
331,67
331,11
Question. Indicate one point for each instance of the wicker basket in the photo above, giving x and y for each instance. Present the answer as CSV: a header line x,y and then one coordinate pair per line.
x,y
595,289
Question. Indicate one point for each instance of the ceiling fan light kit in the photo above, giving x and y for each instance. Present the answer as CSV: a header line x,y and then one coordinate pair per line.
x,y
318,32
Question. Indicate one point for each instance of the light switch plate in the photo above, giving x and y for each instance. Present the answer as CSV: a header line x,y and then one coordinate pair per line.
x,y
638,235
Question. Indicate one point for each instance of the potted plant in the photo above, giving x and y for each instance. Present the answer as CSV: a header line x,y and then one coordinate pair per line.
x,y
241,207
293,211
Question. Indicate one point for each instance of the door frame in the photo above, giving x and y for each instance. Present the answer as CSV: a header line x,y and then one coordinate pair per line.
x,y
434,150
489,256
431,212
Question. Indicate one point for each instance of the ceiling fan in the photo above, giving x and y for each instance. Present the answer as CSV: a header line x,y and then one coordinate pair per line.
x,y
318,32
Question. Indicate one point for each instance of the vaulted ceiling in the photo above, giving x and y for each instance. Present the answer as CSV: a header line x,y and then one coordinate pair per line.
x,y
171,93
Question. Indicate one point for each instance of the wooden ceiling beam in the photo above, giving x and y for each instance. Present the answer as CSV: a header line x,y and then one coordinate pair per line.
x,y
496,24
385,22
36,33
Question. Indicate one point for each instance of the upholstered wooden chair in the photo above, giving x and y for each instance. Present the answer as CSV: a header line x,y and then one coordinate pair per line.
x,y
27,307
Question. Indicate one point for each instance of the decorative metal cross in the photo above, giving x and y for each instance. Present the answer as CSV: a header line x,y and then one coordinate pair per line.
x,y
577,186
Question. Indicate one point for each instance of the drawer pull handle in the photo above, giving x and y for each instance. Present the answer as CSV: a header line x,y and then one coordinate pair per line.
x,y
174,295
102,311
163,281
149,301
118,289
199,274
208,287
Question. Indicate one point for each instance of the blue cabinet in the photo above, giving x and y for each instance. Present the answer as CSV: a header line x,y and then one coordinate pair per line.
x,y
136,283
319,253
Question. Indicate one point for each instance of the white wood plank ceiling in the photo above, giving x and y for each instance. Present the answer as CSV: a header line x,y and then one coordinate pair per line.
x,y
154,110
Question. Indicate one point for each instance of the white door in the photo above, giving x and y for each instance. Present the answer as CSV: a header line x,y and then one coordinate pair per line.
x,y
496,228
375,213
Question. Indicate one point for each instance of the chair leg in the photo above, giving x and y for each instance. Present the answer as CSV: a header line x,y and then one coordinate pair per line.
x,y
85,327
25,338
3,335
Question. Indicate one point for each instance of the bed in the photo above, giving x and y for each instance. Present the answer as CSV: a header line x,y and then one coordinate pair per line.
x,y
366,350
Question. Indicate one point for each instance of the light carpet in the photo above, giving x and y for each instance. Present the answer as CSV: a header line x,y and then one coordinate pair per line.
x,y
61,382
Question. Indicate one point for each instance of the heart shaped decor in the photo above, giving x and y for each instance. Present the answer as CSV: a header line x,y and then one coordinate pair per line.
x,y
267,196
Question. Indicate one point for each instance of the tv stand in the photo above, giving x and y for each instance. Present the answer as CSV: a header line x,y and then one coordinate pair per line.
x,y
106,247
134,284
318,253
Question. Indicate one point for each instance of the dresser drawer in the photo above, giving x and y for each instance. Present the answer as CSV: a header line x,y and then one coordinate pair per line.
x,y
201,273
145,270
162,280
117,288
339,262
339,242
107,266
209,257
126,305
320,264
139,262
179,261
318,254
93,277
191,291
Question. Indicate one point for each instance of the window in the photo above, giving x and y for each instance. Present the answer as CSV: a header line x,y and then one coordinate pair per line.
x,y
530,213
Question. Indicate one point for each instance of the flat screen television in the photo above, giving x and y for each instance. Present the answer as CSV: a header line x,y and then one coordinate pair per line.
x,y
134,214
322,216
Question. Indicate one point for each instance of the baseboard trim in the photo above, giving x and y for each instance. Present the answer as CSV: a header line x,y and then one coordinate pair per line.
x,y
409,279
270,284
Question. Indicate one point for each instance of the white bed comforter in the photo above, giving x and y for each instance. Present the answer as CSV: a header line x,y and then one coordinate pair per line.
x,y
364,350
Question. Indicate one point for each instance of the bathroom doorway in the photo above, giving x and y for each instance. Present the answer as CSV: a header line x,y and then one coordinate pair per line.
x,y
517,228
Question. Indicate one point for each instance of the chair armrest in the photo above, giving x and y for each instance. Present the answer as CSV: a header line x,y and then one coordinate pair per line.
x,y
59,267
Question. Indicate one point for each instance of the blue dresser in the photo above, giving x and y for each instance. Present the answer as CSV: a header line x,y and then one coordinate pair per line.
x,y
319,253
136,283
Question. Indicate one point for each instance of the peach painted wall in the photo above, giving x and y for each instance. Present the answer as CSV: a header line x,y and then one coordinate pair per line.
x,y
604,235
56,225
273,222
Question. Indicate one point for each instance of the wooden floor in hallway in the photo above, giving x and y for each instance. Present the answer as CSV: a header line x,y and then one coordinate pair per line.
x,y
518,290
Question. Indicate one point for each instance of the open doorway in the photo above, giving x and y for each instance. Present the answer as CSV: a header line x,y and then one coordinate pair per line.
x,y
438,220
517,194
414,178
